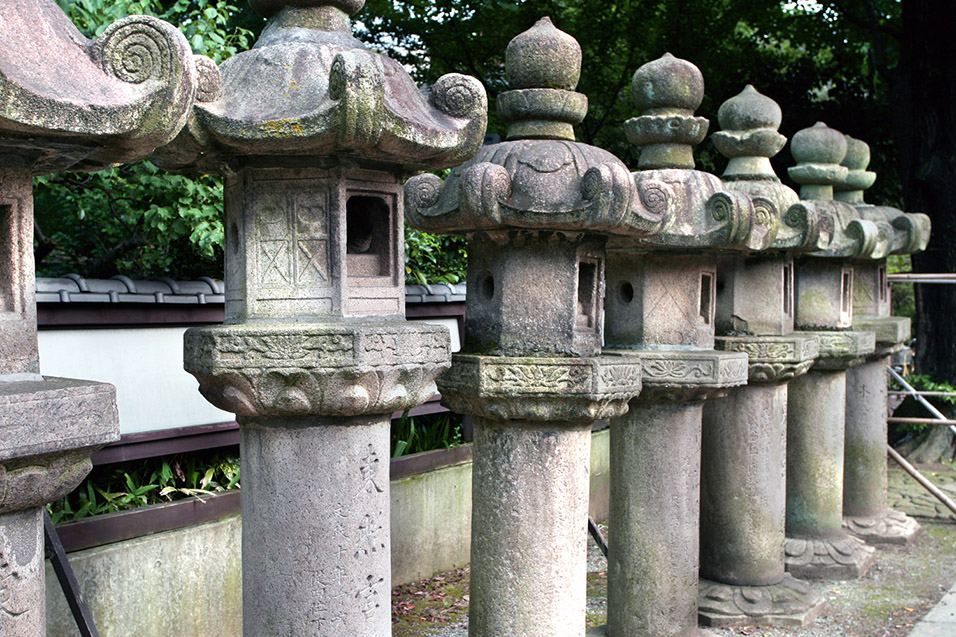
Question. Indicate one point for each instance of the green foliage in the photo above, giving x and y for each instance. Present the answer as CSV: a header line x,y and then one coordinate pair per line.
x,y
128,485
924,382
902,299
425,433
431,258
217,28
138,483
137,220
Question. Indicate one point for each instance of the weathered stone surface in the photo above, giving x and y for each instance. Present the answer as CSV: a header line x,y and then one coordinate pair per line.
x,y
790,602
50,415
818,151
840,228
332,369
890,527
743,490
18,341
824,294
661,306
537,210
833,558
817,547
871,292
865,511
756,295
842,349
334,564
68,102
530,493
656,300
749,139
314,133
308,88
698,210
687,375
557,184
559,390
773,358
510,270
669,90
910,231
81,104
815,440
22,593
313,241
655,475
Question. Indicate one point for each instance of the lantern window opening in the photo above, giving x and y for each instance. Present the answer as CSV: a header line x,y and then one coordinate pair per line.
x,y
883,283
788,289
846,289
708,292
367,224
587,294
9,248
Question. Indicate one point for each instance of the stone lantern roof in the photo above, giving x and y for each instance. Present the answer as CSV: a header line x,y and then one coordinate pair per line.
x,y
540,178
911,230
79,104
840,230
697,209
749,139
309,88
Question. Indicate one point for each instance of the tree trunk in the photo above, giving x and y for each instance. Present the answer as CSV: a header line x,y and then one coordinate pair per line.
x,y
924,102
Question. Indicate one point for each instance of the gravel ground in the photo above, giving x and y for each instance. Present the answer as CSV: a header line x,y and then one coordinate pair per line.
x,y
904,584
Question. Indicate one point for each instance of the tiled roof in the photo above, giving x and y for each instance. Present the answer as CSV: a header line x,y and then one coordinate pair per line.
x,y
435,293
73,288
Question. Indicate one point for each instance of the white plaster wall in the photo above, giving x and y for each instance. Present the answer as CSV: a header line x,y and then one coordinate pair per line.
x,y
153,391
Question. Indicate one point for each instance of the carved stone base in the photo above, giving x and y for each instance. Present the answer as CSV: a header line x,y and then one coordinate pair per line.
x,y
555,389
789,603
837,558
893,527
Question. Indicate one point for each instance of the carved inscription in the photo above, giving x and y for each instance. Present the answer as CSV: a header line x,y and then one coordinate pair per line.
x,y
370,596
368,469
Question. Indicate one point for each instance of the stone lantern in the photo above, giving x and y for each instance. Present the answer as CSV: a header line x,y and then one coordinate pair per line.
x,y
743,466
817,546
661,301
865,511
69,103
537,210
314,134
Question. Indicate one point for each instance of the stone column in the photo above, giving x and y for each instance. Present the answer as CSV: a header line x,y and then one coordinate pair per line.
x,y
743,494
865,511
660,307
817,546
315,354
536,209
49,427
743,473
